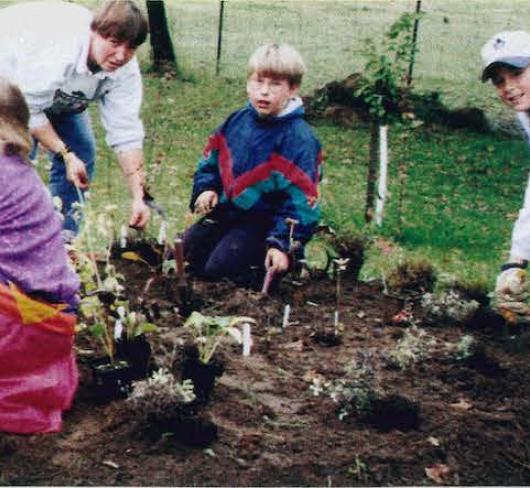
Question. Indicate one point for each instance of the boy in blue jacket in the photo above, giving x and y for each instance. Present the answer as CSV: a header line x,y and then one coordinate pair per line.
x,y
257,181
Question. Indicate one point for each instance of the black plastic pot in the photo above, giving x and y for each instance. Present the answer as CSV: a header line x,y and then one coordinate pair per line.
x,y
111,381
326,339
137,352
394,412
202,375
186,426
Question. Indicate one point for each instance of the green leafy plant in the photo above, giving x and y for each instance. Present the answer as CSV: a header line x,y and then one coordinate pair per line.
x,y
160,394
466,347
415,345
103,308
356,390
449,307
209,331
384,76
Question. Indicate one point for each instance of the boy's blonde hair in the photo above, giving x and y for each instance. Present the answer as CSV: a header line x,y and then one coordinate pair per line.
x,y
14,120
281,60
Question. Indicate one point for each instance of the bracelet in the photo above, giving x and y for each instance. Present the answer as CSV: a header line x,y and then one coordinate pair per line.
x,y
521,265
62,153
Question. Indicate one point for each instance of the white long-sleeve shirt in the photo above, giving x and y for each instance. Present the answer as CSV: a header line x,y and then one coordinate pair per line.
x,y
520,247
44,49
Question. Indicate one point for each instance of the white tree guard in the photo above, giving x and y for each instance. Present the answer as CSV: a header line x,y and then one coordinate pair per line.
x,y
383,172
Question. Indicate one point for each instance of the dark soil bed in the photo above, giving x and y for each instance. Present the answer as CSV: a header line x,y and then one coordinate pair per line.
x,y
441,420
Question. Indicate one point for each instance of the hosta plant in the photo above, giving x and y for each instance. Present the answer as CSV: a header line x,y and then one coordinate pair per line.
x,y
209,331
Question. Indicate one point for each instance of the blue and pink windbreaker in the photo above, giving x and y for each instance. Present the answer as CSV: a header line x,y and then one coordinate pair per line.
x,y
265,165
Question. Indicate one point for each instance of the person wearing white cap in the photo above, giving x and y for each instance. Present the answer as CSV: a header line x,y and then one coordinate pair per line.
x,y
506,62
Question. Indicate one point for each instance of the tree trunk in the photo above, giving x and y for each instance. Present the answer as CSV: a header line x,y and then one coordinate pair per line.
x,y
163,53
372,171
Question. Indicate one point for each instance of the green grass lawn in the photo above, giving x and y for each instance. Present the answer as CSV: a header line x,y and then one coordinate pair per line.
x,y
461,191
455,206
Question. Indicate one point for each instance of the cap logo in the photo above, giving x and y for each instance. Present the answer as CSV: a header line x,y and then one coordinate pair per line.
x,y
499,43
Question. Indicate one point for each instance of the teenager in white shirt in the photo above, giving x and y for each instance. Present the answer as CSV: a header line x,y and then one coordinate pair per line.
x,y
63,57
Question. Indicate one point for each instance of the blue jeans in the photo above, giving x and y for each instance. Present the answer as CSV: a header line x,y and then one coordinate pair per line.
x,y
75,130
228,243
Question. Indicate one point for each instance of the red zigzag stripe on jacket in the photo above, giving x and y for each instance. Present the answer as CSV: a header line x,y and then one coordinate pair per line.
x,y
235,186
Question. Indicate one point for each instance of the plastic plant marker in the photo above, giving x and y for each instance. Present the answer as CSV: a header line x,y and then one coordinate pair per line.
x,y
162,232
118,329
336,321
286,314
247,339
123,236
267,280
292,224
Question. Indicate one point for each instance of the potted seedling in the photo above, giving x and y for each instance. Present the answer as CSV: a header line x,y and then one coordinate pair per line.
x,y
111,375
139,247
198,363
167,406
132,345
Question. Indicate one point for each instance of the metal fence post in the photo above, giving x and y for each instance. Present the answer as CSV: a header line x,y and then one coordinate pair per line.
x,y
414,40
219,36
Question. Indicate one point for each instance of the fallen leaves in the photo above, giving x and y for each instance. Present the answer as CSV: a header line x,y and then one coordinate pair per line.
x,y
439,473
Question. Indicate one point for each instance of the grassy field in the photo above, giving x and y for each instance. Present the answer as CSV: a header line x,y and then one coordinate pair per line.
x,y
455,207
462,190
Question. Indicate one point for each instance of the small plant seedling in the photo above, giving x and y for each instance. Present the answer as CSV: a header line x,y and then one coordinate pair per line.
x,y
414,346
356,390
209,331
339,267
160,394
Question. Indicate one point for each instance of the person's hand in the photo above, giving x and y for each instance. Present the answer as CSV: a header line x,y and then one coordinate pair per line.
x,y
511,295
511,282
75,171
206,201
140,214
277,260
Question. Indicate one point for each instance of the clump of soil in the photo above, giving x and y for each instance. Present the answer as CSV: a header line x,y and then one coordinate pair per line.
x,y
338,101
412,276
470,415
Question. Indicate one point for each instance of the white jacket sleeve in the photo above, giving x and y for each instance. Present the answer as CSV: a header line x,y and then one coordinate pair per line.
x,y
521,230
120,109
520,247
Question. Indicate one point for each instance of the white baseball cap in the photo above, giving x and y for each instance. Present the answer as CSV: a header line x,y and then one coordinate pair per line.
x,y
510,47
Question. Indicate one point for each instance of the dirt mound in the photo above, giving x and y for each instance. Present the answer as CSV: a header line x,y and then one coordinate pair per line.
x,y
338,101
457,419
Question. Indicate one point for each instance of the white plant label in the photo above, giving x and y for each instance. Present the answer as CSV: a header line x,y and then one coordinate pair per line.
x,y
286,314
162,232
118,329
123,237
247,340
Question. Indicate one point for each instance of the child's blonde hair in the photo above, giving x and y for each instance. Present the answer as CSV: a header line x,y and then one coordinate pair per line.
x,y
14,120
281,60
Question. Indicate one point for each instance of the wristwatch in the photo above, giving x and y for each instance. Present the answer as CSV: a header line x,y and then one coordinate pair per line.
x,y
522,265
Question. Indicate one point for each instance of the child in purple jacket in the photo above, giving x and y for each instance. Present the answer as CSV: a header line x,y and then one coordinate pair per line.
x,y
38,289
257,181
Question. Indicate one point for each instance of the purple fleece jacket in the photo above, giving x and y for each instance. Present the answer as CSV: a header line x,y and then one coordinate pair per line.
x,y
32,252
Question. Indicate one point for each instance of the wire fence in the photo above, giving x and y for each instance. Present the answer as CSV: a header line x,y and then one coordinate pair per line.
x,y
330,36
